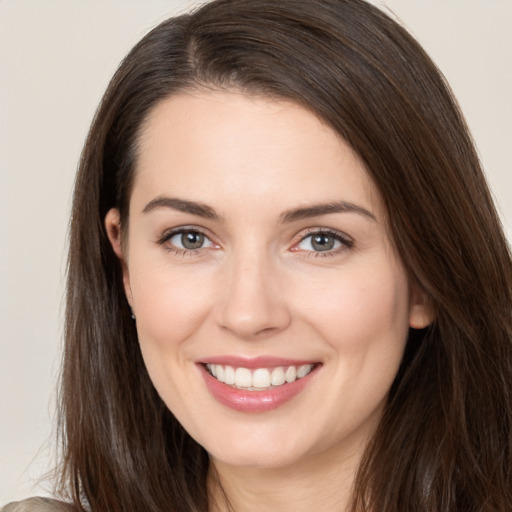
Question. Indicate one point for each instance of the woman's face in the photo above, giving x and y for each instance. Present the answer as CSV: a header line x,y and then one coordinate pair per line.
x,y
257,251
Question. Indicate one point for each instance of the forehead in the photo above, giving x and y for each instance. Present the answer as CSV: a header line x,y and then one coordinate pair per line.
x,y
209,145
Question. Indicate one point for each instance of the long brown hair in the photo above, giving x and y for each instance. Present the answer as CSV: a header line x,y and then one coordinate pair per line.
x,y
444,442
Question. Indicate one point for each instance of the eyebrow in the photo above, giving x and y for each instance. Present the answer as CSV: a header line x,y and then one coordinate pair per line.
x,y
293,215
316,210
182,205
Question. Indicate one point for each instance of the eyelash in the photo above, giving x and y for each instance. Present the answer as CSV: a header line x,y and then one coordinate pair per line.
x,y
345,241
167,235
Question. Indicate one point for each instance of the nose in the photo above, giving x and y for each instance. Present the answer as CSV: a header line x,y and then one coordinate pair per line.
x,y
253,303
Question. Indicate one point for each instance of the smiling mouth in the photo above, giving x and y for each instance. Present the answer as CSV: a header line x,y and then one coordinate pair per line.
x,y
258,379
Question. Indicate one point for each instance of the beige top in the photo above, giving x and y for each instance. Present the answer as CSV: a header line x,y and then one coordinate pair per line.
x,y
38,505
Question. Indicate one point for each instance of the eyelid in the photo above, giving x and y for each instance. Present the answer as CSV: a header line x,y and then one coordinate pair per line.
x,y
169,233
346,241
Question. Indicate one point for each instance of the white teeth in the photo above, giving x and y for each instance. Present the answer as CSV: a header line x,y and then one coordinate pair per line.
x,y
243,378
261,378
229,375
278,377
291,374
303,370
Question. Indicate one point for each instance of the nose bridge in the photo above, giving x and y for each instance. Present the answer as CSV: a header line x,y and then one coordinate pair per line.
x,y
253,302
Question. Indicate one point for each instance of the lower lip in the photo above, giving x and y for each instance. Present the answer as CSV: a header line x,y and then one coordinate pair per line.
x,y
254,401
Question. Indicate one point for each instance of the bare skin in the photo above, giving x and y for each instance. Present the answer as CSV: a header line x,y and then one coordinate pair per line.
x,y
255,232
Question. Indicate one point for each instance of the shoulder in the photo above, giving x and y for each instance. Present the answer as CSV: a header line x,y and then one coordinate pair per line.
x,y
38,505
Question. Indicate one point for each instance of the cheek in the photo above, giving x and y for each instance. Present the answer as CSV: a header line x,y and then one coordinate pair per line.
x,y
170,308
169,304
363,317
363,312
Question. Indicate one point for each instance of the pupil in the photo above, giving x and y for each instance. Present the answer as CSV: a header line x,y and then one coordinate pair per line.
x,y
322,242
192,240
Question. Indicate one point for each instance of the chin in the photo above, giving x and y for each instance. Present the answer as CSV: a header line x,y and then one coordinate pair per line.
x,y
272,458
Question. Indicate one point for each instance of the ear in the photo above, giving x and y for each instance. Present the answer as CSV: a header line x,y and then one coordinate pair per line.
x,y
421,311
113,227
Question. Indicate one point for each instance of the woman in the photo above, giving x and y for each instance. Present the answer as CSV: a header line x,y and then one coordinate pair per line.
x,y
288,285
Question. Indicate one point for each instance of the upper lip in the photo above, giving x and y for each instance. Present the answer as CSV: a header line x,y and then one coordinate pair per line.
x,y
252,363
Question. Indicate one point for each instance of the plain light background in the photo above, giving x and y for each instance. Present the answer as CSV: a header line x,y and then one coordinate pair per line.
x,y
56,57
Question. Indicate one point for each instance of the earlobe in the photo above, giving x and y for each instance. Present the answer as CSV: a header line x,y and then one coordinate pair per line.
x,y
421,313
113,228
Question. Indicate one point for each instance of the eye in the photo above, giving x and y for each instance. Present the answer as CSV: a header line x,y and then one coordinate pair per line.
x,y
182,240
324,241
189,240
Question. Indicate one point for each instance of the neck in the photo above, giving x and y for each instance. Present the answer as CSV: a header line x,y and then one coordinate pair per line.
x,y
323,482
